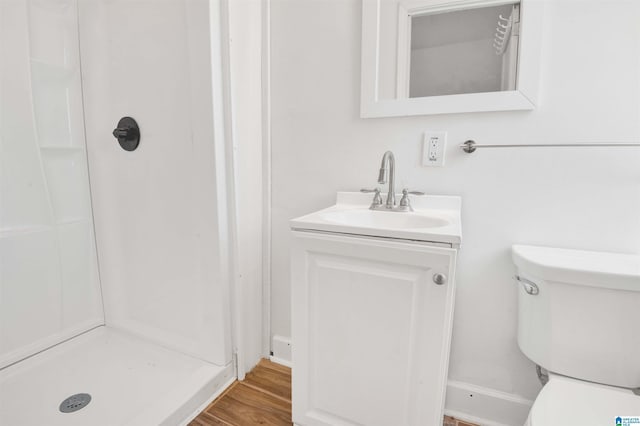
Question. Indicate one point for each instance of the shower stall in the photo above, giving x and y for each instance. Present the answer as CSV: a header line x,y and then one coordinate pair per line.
x,y
114,265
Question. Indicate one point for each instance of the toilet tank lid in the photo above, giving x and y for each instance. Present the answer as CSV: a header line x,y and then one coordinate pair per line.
x,y
591,268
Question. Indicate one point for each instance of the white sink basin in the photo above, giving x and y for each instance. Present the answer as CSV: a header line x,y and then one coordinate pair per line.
x,y
435,219
382,219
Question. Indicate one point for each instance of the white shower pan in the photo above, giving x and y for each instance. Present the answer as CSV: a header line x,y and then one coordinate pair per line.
x,y
131,382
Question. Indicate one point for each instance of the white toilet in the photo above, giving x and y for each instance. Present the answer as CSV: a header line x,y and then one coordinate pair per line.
x,y
579,318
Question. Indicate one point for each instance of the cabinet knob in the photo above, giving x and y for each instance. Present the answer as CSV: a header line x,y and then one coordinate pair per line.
x,y
439,279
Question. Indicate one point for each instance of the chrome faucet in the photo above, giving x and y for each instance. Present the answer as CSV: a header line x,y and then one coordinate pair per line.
x,y
388,159
387,171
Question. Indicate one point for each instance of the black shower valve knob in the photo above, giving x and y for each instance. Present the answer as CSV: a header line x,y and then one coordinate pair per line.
x,y
122,133
127,133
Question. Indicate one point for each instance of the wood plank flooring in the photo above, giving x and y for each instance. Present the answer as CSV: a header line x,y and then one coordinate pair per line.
x,y
450,421
263,398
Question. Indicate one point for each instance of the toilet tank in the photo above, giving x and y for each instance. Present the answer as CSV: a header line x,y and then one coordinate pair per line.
x,y
584,321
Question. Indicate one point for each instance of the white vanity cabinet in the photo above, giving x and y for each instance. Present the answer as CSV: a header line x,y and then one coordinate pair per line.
x,y
371,327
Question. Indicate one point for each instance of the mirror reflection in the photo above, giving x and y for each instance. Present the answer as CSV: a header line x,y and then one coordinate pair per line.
x,y
448,52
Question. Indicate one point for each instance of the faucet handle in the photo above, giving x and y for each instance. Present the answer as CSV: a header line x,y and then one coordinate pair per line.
x,y
406,191
377,198
405,203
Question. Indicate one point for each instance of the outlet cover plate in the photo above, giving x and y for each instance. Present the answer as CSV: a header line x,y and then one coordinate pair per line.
x,y
433,148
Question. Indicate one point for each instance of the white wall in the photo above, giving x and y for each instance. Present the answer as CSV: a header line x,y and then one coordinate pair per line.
x,y
49,289
161,210
566,197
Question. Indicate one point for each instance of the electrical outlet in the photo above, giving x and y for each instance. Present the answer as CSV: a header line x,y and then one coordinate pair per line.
x,y
433,148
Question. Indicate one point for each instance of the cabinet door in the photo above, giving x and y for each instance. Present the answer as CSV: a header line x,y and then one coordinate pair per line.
x,y
371,330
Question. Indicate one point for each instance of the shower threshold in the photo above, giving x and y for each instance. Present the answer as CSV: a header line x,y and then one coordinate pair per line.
x,y
130,381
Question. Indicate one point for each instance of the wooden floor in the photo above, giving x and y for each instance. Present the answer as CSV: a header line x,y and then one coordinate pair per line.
x,y
450,421
263,398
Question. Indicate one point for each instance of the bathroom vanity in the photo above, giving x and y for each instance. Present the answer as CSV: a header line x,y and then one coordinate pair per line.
x,y
372,306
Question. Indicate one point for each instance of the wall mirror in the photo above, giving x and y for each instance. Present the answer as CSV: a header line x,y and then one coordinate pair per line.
x,y
448,56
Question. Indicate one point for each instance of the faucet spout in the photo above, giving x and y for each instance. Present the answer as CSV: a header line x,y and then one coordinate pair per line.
x,y
387,170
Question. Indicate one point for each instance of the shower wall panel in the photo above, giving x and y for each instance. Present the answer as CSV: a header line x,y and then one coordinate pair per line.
x,y
49,288
160,210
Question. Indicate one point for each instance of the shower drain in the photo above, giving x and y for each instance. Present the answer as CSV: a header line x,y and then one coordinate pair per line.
x,y
75,402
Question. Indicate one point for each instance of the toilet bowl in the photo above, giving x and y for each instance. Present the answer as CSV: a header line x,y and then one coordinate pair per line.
x,y
566,402
578,317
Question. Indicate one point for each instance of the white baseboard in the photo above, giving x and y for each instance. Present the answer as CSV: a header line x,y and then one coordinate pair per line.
x,y
280,361
484,406
281,350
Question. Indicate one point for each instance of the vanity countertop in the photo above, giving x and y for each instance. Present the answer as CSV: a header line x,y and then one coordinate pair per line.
x,y
436,219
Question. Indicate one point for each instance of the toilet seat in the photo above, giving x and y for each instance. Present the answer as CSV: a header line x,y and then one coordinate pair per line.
x,y
565,401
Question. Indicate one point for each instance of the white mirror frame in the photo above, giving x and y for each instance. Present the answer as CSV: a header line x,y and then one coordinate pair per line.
x,y
525,97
